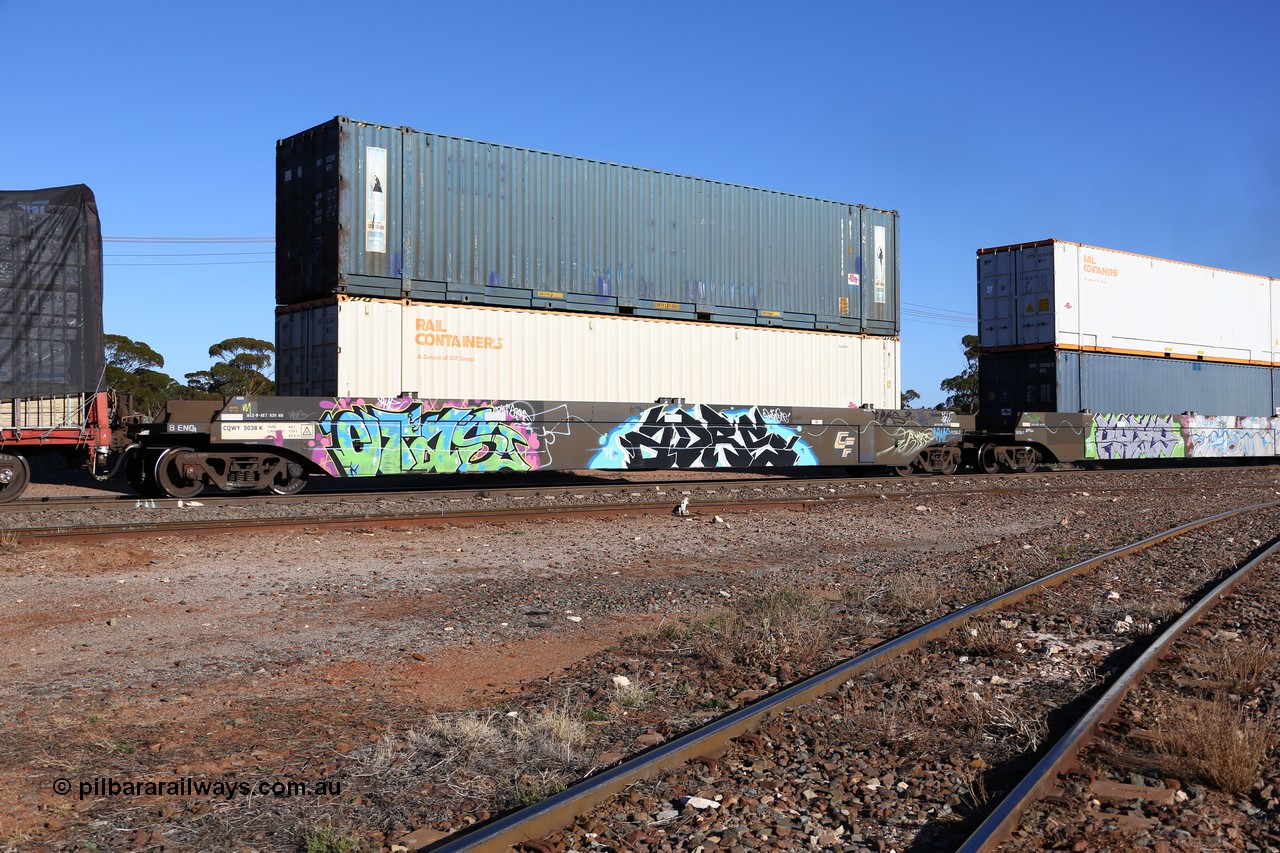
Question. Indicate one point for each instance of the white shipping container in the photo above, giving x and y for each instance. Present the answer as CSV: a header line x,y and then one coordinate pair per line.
x,y
378,348
1080,297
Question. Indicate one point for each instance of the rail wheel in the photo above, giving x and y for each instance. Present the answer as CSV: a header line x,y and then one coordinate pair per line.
x,y
987,462
14,477
909,470
1033,462
290,482
170,477
951,465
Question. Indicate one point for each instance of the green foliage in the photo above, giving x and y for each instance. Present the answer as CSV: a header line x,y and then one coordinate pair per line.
x,y
962,390
241,371
908,397
131,369
327,841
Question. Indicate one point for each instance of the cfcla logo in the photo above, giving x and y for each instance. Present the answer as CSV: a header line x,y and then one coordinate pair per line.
x,y
846,443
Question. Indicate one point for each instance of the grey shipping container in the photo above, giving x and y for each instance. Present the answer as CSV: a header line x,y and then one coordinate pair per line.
x,y
1042,380
50,293
390,212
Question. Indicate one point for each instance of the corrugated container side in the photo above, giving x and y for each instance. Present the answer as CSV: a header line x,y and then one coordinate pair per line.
x,y
473,352
385,212
1063,381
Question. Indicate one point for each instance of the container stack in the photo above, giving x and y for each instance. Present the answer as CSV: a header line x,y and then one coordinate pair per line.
x,y
449,268
1065,327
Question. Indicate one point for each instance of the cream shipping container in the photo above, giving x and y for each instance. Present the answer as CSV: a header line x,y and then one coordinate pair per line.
x,y
1071,296
348,346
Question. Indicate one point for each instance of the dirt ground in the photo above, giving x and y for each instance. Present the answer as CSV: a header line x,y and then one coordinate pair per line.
x,y
261,659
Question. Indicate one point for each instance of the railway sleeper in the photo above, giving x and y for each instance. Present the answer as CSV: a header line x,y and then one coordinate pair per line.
x,y
181,472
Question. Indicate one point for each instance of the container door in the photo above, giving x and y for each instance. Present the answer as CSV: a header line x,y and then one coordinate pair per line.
x,y
880,272
1035,295
996,325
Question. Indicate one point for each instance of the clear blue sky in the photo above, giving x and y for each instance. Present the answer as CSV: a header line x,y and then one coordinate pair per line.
x,y
1149,127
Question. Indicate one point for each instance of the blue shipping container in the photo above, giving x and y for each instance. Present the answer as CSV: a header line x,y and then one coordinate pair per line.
x,y
389,212
1066,381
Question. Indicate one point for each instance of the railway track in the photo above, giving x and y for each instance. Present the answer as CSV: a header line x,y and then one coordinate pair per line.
x,y
753,735
90,518
467,488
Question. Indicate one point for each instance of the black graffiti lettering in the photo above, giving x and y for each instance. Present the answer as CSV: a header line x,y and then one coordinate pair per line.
x,y
706,438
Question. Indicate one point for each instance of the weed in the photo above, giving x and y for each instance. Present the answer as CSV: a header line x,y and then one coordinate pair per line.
x,y
556,733
983,638
1216,741
591,715
1245,668
716,703
633,696
772,629
530,788
973,788
326,841
9,540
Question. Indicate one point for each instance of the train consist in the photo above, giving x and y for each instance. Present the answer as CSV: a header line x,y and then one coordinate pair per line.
x,y
450,306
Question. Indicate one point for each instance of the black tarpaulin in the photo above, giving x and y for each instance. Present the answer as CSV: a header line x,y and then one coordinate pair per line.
x,y
50,292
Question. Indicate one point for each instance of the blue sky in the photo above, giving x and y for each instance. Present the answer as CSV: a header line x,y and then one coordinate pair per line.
x,y
1147,127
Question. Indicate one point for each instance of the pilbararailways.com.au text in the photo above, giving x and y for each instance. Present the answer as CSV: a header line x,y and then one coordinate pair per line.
x,y
226,788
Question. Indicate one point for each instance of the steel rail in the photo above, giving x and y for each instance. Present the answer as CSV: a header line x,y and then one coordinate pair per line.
x,y
1042,778
557,811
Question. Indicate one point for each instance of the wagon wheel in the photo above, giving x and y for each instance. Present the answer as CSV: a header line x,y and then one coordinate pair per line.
x,y
987,462
290,482
909,470
171,480
19,475
1033,462
952,464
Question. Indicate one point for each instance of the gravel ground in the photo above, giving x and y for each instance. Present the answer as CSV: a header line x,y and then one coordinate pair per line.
x,y
388,662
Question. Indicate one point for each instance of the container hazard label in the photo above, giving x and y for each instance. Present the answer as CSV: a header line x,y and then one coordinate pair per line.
x,y
854,279
375,200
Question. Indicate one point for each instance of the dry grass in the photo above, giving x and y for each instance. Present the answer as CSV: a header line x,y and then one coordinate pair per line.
x,y
786,626
9,540
633,695
912,593
985,638
1245,667
476,753
1215,741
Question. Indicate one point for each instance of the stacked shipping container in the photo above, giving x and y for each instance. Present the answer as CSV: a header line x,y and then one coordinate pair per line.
x,y
1066,327
398,251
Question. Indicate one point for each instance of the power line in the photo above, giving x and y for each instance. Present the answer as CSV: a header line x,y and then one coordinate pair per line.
x,y
190,264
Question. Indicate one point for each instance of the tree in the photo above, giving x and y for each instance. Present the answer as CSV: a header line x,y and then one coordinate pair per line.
x,y
908,397
131,369
962,390
241,371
